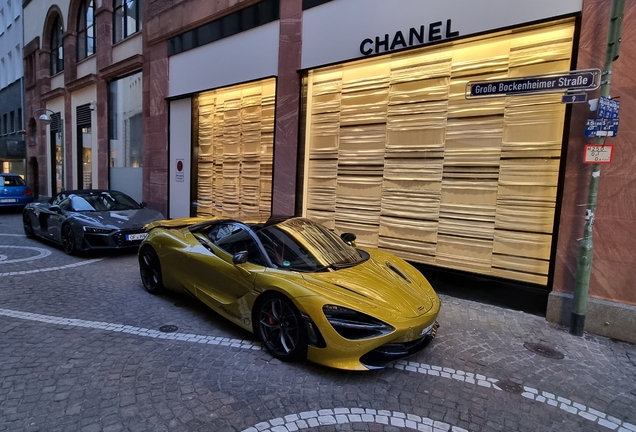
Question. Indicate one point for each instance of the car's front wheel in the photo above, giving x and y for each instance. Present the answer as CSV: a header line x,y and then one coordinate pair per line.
x,y
150,269
68,240
281,328
27,225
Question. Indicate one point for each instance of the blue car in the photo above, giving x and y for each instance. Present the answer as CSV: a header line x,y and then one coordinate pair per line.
x,y
14,192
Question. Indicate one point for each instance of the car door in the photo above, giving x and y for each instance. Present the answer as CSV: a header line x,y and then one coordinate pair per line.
x,y
57,218
46,217
221,284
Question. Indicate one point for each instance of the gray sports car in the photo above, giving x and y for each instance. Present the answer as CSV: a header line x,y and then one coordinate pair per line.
x,y
80,220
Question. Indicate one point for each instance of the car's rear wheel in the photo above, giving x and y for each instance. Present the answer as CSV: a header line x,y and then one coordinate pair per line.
x,y
27,225
281,327
150,270
68,240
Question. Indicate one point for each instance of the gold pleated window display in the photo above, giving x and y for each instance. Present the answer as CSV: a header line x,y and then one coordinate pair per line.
x,y
235,145
396,153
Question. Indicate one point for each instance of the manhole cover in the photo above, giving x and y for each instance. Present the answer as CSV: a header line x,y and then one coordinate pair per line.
x,y
510,387
543,350
168,329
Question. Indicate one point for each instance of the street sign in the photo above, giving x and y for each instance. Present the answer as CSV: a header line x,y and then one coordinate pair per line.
x,y
607,108
598,154
601,127
581,80
574,98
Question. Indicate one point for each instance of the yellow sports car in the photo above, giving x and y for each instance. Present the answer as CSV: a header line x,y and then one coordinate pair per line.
x,y
306,292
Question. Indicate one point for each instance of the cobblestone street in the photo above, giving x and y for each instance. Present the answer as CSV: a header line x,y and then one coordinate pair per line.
x,y
81,350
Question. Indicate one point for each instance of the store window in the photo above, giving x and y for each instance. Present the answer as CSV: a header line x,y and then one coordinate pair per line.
x,y
126,135
126,18
57,48
56,153
233,173
397,154
84,147
86,30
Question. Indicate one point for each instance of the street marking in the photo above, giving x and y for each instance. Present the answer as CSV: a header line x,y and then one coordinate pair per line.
x,y
449,373
13,235
536,395
48,269
337,416
139,331
42,253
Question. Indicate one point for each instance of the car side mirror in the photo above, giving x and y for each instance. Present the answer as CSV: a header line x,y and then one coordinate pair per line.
x,y
55,209
143,204
240,258
349,238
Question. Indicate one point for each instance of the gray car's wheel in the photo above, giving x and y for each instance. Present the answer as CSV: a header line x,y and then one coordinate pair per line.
x,y
281,328
68,240
150,269
27,225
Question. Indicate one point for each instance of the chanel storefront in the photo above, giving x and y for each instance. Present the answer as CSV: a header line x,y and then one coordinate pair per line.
x,y
394,150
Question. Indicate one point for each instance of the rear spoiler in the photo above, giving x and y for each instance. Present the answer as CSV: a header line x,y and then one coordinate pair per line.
x,y
178,223
191,222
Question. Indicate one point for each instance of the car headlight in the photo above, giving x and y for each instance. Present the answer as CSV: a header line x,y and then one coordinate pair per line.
x,y
97,230
354,325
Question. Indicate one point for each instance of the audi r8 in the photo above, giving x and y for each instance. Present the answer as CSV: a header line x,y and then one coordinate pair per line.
x,y
306,292
81,220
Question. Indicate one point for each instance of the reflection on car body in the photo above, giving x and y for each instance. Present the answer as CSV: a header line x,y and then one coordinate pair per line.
x,y
306,292
80,220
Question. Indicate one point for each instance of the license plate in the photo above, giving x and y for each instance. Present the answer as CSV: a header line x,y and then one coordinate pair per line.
x,y
133,237
8,200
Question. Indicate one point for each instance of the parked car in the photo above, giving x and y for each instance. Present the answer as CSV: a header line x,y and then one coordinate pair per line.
x,y
305,291
14,192
80,220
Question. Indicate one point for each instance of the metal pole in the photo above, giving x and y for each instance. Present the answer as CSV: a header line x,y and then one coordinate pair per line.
x,y
586,250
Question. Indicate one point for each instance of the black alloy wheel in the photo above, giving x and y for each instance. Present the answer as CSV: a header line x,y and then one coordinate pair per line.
x,y
27,225
150,270
281,328
68,240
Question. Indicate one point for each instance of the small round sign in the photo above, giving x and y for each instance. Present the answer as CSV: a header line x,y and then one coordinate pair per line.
x,y
180,165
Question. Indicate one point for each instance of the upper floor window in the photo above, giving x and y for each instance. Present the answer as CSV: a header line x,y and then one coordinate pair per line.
x,y
57,48
127,18
86,30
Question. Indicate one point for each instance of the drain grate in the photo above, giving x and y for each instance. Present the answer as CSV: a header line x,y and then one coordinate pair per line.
x,y
510,387
168,329
543,350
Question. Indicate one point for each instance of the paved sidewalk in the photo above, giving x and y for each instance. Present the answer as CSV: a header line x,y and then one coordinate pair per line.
x,y
81,350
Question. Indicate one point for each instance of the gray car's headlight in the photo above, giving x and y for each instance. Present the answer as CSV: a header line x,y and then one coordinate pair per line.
x,y
354,325
97,230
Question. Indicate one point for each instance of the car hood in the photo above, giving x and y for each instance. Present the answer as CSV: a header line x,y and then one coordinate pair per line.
x,y
381,281
120,219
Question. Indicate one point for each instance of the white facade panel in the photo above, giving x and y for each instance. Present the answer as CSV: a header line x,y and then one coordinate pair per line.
x,y
334,32
243,57
180,151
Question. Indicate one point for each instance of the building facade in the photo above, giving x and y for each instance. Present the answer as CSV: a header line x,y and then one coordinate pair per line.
x,y
12,150
355,113
84,69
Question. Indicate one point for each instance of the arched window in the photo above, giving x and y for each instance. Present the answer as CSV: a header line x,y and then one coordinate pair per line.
x,y
126,18
86,30
57,48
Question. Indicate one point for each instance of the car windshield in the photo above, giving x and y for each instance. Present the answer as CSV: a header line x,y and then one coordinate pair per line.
x,y
302,245
11,181
103,201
